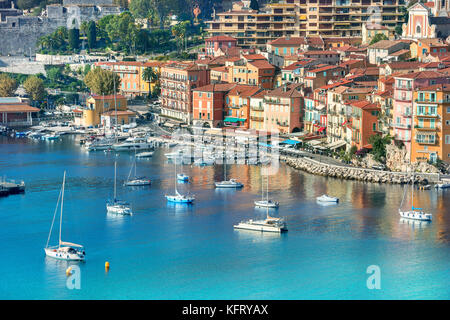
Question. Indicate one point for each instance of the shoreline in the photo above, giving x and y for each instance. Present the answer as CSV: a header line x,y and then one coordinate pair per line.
x,y
355,173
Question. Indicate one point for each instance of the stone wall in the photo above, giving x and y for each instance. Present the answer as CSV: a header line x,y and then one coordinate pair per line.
x,y
19,34
353,173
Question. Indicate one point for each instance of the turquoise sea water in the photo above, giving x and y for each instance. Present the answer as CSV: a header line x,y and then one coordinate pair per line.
x,y
169,251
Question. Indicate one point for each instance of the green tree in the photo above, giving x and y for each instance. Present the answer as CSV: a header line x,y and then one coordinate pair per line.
x,y
101,81
379,146
7,86
378,37
92,35
74,39
27,4
34,86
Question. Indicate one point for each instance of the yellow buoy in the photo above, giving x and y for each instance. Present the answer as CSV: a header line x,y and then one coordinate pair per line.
x,y
107,265
68,271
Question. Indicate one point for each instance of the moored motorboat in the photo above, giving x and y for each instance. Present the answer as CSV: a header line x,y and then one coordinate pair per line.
x,y
269,224
327,198
182,177
232,183
146,154
267,203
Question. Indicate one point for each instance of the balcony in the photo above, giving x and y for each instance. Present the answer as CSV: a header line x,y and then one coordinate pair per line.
x,y
427,139
401,126
259,119
425,128
257,108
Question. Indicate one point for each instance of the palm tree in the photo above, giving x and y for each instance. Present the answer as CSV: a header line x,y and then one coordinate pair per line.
x,y
150,76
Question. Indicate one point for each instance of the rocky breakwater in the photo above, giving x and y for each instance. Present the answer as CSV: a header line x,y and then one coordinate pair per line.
x,y
352,173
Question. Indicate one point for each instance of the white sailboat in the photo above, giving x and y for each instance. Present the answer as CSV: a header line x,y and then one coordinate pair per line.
x,y
414,213
118,206
64,250
232,183
136,181
267,203
177,197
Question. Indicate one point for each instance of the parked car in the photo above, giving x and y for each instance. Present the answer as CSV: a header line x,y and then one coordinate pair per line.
x,y
379,167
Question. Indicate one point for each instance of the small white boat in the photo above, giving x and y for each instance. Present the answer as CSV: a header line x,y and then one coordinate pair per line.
x,y
182,177
415,213
133,144
116,206
326,198
50,137
144,154
267,204
99,144
119,207
64,250
442,185
177,197
176,154
232,183
136,181
269,224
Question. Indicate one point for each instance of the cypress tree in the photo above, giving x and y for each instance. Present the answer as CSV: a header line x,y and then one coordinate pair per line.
x,y
92,35
74,39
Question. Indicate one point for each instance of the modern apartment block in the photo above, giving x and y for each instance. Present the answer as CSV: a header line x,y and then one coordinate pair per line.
x,y
294,18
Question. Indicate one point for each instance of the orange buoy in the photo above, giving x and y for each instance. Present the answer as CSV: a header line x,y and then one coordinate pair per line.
x,y
106,265
68,271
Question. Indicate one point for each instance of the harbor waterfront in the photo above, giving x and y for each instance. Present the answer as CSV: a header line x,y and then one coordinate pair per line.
x,y
177,251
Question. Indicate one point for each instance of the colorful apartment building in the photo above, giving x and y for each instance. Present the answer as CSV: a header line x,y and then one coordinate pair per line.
x,y
252,70
257,110
431,120
131,73
403,100
209,104
295,72
339,110
177,81
364,123
423,47
237,106
283,109
213,44
319,76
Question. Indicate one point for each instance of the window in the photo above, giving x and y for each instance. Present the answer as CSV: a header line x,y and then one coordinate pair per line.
x,y
447,139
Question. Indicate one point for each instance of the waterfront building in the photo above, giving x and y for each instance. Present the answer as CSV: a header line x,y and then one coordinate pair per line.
x,y
340,110
237,106
431,130
257,110
177,81
109,119
299,18
283,109
15,112
364,123
96,105
403,100
209,103
131,73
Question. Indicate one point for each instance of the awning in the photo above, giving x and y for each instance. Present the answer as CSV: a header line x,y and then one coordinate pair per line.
x,y
321,129
232,119
336,144
289,141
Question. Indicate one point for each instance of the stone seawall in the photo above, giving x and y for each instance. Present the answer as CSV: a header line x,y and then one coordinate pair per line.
x,y
359,174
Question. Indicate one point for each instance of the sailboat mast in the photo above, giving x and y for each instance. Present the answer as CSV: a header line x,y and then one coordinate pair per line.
x,y
62,205
115,172
412,193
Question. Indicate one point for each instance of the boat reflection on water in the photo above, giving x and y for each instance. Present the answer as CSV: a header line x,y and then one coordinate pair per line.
x,y
415,223
258,237
180,207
